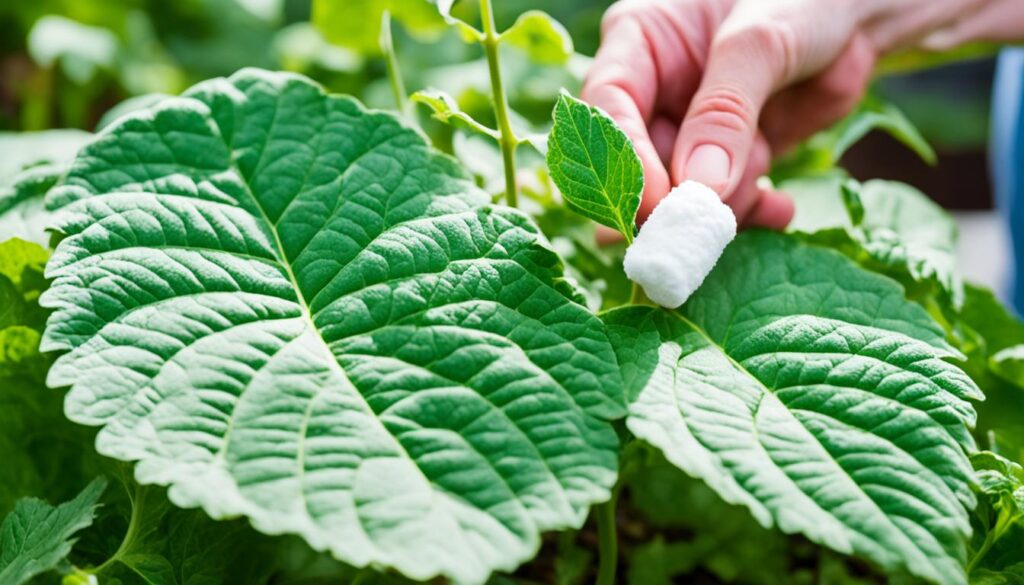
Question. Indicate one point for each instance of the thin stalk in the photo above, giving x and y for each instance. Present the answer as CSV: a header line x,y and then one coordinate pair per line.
x,y
507,141
387,45
1003,521
607,541
638,297
990,539
137,499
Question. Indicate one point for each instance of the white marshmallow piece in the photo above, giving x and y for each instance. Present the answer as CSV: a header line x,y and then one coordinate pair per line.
x,y
680,243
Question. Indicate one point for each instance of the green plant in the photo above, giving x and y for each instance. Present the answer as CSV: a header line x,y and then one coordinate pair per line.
x,y
309,347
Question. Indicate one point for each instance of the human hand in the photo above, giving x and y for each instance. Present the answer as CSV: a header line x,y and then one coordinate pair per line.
x,y
709,89
995,21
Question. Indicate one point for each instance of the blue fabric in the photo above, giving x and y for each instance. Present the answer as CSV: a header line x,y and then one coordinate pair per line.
x,y
1008,160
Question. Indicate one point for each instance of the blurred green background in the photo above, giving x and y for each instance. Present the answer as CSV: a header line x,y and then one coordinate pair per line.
x,y
66,63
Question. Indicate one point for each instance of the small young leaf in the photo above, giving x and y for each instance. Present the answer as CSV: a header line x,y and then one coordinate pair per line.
x,y
984,314
18,259
35,536
594,165
542,37
21,318
1002,478
903,227
468,32
446,109
311,318
810,391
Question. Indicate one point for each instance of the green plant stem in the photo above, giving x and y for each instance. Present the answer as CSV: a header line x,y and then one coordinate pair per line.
x,y
387,45
638,297
507,141
137,499
1003,522
607,540
990,539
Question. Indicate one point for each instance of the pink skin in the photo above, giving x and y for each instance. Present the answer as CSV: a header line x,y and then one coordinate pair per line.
x,y
709,90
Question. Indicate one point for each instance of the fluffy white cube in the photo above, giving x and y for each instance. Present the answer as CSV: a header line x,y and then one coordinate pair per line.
x,y
680,244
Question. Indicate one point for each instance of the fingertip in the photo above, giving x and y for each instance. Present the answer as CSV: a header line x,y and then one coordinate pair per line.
x,y
774,210
656,186
606,236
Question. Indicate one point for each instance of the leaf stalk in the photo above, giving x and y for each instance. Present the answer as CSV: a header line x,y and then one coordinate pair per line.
x,y
607,540
387,46
137,497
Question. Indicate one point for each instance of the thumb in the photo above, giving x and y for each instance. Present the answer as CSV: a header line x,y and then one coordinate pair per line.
x,y
745,64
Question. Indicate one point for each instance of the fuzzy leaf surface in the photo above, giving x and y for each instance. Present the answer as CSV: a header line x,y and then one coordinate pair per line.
x,y
288,307
810,391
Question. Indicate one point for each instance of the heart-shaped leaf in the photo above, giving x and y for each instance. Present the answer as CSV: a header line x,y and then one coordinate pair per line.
x,y
810,391
288,307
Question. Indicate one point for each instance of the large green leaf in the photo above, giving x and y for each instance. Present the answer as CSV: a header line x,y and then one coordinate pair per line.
x,y
36,536
21,150
820,154
289,307
990,335
594,165
899,231
991,320
812,392
31,163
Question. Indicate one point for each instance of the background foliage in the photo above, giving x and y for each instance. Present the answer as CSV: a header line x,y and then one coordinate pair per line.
x,y
80,64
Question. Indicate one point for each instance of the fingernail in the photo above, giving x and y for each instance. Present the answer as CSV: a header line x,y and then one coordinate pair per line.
x,y
709,164
940,40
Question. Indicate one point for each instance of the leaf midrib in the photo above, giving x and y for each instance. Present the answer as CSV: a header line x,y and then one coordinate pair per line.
x,y
307,317
604,188
882,513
